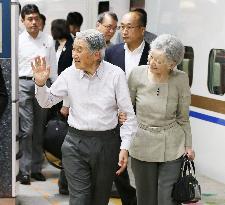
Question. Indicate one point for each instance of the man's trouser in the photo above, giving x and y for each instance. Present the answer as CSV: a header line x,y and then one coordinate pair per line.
x,y
90,161
32,123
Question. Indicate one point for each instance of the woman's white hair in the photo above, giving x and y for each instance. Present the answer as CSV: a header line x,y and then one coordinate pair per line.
x,y
171,46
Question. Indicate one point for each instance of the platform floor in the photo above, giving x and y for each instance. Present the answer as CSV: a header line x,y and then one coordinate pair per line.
x,y
46,193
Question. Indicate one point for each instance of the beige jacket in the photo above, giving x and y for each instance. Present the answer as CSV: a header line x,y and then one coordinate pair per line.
x,y
162,111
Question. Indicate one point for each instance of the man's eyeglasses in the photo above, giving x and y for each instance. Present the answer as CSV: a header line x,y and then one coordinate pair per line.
x,y
128,27
108,27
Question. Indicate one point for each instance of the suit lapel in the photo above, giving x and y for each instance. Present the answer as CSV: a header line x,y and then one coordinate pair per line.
x,y
66,46
120,56
144,56
123,59
64,49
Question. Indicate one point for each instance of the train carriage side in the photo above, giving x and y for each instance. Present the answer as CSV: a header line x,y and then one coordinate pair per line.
x,y
197,24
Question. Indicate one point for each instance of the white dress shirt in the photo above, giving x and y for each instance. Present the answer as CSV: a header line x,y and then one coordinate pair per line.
x,y
132,58
29,48
94,100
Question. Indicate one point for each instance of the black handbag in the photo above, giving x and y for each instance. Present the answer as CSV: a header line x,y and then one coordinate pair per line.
x,y
55,133
187,189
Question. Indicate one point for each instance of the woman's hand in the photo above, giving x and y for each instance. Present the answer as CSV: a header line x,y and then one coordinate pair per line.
x,y
190,153
40,71
122,117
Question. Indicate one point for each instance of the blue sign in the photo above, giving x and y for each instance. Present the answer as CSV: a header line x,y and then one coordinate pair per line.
x,y
6,29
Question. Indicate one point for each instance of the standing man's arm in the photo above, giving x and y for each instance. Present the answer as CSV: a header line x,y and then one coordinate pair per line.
x,y
52,62
129,127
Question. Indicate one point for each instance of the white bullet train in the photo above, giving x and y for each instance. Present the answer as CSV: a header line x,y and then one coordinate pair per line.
x,y
201,27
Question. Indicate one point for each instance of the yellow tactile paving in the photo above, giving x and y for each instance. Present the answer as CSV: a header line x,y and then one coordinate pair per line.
x,y
47,195
55,203
115,201
54,181
46,192
7,201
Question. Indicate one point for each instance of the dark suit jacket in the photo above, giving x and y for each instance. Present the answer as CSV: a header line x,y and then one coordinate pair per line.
x,y
65,59
116,55
3,94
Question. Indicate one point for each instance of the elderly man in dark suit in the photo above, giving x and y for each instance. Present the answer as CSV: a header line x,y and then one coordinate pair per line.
x,y
127,55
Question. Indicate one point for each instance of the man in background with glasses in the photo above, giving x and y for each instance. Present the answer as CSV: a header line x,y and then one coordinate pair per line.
x,y
107,24
127,55
148,36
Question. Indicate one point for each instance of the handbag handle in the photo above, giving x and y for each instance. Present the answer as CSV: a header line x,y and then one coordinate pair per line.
x,y
187,165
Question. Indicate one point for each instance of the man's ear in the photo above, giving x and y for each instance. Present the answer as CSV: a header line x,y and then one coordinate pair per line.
x,y
143,30
97,55
22,20
97,24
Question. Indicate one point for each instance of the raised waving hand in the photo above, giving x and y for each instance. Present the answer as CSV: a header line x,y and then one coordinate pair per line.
x,y
40,71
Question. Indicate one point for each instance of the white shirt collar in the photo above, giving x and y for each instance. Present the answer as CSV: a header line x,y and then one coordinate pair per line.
x,y
99,72
29,36
139,49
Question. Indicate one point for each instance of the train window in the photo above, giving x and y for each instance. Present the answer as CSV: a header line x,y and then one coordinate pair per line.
x,y
137,4
216,72
187,64
103,6
0,28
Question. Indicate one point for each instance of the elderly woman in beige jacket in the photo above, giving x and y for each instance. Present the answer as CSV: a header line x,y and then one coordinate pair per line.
x,y
161,95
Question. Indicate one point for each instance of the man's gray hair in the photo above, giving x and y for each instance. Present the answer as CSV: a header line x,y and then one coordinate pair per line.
x,y
102,16
95,40
171,46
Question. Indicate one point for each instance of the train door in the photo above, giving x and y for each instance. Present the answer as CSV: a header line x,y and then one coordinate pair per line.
x,y
9,15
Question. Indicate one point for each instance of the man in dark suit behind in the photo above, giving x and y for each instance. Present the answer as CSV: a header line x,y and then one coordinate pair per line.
x,y
133,52
148,36
132,28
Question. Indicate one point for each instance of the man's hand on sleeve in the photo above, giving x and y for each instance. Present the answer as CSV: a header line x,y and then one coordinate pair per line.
x,y
122,117
64,111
